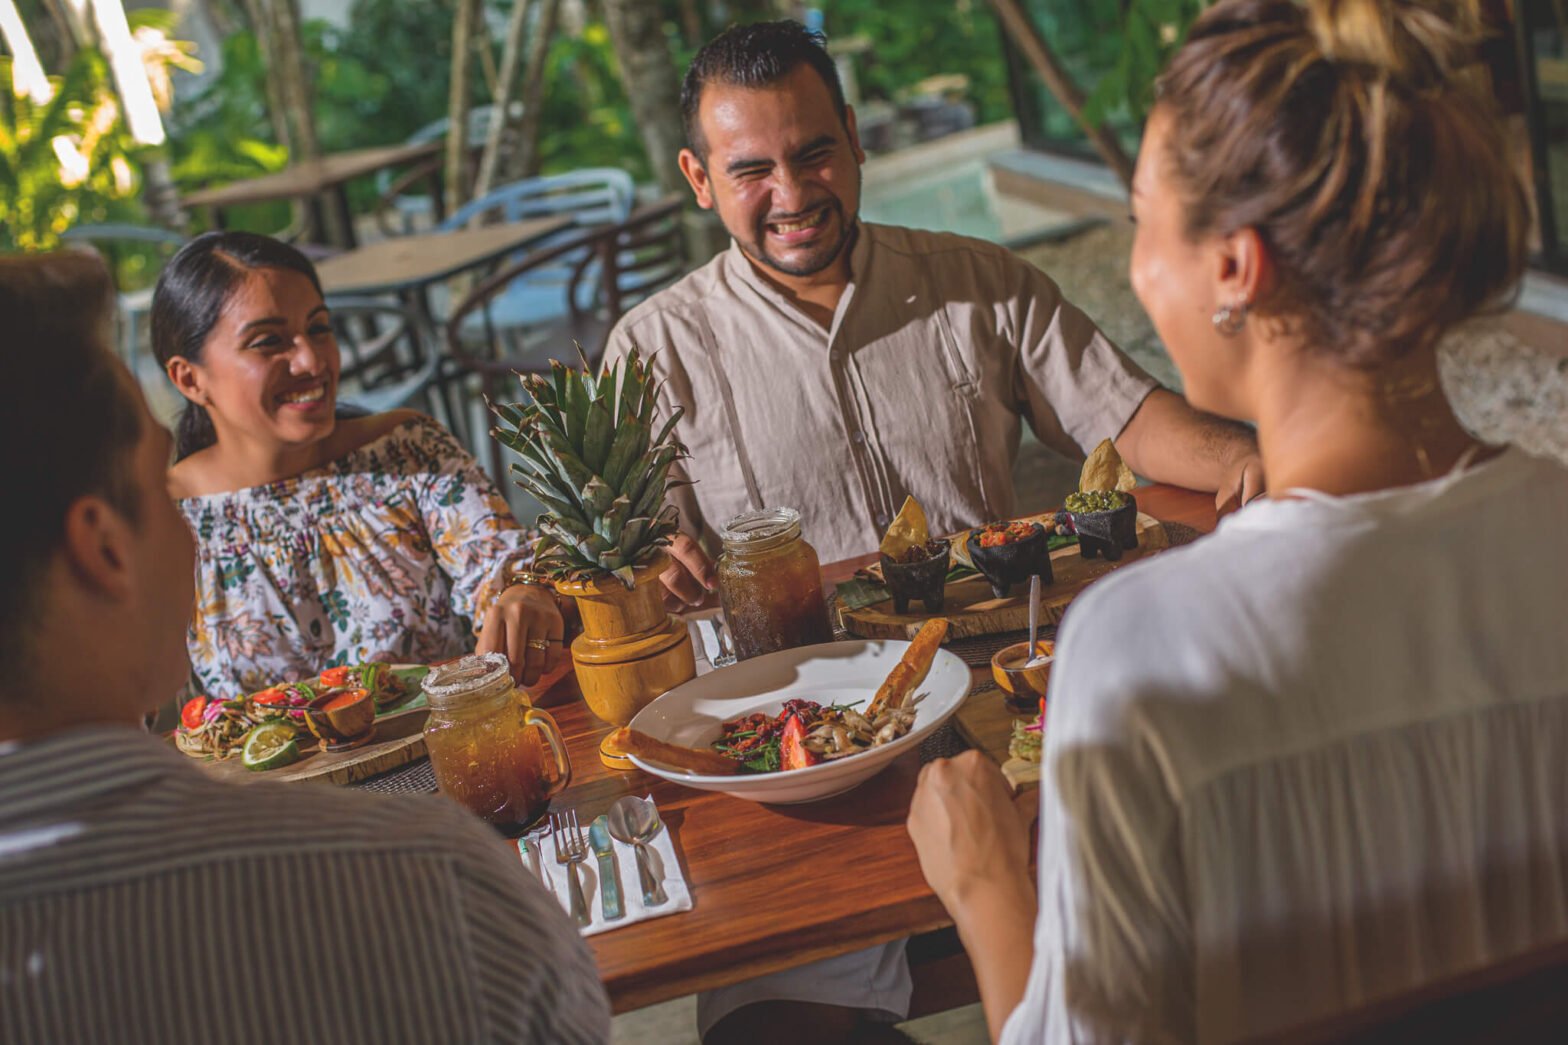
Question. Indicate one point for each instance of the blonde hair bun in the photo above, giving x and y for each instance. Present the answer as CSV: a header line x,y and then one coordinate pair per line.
x,y
1352,136
1422,44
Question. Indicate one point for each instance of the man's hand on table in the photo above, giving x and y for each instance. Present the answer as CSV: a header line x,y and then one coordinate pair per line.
x,y
691,577
1241,483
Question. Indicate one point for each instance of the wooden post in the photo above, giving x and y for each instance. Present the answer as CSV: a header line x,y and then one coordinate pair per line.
x,y
506,85
1038,52
648,71
524,160
457,179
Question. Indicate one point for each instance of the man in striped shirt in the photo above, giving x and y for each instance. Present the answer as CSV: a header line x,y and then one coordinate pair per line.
x,y
141,900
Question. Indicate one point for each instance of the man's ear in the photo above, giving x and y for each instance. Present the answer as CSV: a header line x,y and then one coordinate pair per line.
x,y
697,178
854,134
186,379
1246,268
98,548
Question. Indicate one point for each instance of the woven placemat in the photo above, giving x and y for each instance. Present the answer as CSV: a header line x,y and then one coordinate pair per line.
x,y
1180,533
944,743
416,778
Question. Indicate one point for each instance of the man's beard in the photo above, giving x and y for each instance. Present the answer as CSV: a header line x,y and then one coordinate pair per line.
x,y
823,255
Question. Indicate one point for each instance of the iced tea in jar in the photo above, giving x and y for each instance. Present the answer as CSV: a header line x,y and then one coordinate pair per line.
x,y
491,752
770,584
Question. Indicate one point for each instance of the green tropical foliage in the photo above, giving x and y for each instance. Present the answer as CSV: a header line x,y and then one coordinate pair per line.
x,y
1149,34
63,162
592,457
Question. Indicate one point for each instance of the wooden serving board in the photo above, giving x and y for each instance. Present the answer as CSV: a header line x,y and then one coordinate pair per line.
x,y
986,723
399,740
972,610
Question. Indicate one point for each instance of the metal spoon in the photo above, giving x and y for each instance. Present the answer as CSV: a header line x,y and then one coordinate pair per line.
x,y
1036,658
633,821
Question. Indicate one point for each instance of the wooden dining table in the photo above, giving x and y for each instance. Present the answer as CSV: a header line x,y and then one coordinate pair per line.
x,y
317,181
409,264
774,887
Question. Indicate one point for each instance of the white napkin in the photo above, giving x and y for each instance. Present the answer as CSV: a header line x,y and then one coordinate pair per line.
x,y
704,627
675,888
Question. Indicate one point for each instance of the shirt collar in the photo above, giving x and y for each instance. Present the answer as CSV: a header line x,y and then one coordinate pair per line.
x,y
70,768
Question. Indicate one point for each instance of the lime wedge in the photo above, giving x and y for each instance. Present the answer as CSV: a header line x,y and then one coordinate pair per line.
x,y
270,746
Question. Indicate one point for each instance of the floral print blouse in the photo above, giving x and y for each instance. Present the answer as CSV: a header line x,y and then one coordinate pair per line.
x,y
390,553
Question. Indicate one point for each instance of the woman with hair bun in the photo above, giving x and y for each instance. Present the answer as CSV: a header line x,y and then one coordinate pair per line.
x,y
1318,758
323,540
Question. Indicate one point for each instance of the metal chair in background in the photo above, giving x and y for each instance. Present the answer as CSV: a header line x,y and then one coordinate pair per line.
x,y
135,255
388,357
595,196
401,212
630,261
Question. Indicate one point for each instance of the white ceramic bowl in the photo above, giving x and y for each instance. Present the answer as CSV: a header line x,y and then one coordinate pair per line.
x,y
693,714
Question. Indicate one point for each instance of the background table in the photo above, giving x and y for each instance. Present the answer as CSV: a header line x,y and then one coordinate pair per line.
x,y
325,176
412,263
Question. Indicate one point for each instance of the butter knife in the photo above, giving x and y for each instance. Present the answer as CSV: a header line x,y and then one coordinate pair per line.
x,y
530,844
609,870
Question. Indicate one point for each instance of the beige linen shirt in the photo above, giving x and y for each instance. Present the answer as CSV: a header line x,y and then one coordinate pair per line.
x,y
939,345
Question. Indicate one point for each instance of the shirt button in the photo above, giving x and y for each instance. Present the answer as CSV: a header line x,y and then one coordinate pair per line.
x,y
882,521
857,437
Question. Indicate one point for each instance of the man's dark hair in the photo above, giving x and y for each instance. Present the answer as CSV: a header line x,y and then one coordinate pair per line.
x,y
71,427
192,290
754,56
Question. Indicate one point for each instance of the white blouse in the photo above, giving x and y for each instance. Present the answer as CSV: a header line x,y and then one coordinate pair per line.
x,y
1316,759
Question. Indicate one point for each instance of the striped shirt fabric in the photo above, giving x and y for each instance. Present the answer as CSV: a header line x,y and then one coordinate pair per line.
x,y
142,901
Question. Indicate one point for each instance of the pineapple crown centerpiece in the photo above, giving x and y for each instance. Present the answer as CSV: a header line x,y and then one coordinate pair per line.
x,y
592,457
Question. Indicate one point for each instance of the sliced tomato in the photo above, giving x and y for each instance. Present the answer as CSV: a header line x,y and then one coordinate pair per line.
x,y
336,676
793,753
269,697
190,714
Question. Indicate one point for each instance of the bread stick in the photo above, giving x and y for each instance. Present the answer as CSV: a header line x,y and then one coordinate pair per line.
x,y
912,668
628,741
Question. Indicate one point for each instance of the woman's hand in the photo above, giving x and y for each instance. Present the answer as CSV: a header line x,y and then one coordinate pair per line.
x,y
974,850
967,833
525,623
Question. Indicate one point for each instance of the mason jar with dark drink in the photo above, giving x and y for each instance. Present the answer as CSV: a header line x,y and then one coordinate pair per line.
x,y
770,584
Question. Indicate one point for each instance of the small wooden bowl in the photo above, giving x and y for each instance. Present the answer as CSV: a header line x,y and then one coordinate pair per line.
x,y
1022,688
347,723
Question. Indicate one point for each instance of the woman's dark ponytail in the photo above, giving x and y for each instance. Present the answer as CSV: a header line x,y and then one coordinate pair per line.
x,y
191,293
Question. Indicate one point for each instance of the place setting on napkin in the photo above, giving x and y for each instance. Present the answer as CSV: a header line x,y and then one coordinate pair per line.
x,y
537,851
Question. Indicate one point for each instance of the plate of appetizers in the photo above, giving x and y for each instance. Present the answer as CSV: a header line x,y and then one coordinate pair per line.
x,y
801,724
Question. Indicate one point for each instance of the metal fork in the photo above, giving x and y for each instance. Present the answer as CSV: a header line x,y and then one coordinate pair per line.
x,y
573,853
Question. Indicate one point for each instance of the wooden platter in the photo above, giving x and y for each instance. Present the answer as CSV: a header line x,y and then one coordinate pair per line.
x,y
399,740
972,610
987,724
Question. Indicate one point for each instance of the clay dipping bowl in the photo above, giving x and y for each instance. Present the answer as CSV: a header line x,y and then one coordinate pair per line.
x,y
1014,563
1107,533
343,719
925,580
1022,688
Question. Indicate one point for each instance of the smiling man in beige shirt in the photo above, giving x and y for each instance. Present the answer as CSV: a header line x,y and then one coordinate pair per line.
x,y
835,366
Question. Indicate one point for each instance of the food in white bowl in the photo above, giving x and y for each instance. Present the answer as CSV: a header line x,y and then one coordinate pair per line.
x,y
673,737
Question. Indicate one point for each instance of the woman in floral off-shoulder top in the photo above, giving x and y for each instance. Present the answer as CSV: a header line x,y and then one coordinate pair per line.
x,y
323,540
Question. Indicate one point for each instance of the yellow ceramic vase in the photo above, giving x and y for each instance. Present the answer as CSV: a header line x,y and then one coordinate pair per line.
x,y
631,649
